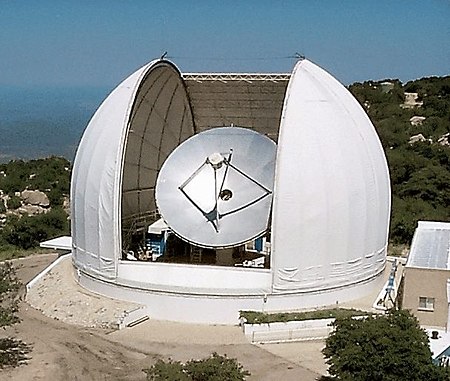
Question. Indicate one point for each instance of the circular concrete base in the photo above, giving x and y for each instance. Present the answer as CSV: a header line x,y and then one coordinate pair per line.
x,y
185,306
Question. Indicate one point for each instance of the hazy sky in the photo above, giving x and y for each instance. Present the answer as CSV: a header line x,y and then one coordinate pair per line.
x,y
98,43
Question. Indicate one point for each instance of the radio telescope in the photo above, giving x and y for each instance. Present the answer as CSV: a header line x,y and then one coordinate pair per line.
x,y
215,189
203,194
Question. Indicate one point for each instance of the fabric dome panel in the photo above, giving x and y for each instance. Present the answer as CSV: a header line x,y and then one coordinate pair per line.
x,y
332,195
95,182
160,119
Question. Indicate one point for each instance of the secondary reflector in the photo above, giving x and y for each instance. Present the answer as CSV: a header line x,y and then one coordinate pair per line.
x,y
215,189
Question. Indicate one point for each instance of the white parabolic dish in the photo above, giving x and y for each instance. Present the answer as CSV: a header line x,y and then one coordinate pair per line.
x,y
215,189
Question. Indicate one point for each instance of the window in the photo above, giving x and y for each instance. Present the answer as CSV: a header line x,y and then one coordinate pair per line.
x,y
426,304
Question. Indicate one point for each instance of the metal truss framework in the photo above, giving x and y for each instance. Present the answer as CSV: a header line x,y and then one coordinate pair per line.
x,y
246,77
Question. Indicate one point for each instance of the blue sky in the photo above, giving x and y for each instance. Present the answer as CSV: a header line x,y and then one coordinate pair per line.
x,y
98,43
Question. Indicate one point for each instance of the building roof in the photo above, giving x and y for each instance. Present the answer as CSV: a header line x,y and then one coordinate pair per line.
x,y
430,246
439,345
59,243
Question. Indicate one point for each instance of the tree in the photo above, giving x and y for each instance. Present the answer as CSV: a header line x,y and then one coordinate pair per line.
x,y
9,287
420,172
171,370
13,352
388,347
50,175
214,368
13,202
26,232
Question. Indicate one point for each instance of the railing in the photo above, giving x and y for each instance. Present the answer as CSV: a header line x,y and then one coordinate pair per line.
x,y
288,335
302,330
247,77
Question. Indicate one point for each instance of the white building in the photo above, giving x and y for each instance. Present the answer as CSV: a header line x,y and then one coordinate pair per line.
x,y
330,208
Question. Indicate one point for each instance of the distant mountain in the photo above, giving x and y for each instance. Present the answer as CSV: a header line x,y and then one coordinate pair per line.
x,y
39,122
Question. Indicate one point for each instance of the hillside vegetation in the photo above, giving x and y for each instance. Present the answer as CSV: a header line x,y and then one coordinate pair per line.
x,y
419,167
33,203
412,120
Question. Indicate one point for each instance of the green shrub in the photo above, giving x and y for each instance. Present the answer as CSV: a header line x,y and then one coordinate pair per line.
x,y
420,173
214,368
27,232
255,317
9,287
50,175
384,347
13,352
13,202
171,370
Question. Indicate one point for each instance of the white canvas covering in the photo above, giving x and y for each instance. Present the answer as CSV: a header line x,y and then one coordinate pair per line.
x,y
332,194
117,161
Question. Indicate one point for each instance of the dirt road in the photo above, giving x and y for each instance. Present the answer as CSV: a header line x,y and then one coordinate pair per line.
x,y
66,352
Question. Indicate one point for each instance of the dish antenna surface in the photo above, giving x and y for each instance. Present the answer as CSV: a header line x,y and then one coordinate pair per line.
x,y
215,189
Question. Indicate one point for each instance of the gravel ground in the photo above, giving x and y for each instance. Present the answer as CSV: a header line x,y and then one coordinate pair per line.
x,y
57,295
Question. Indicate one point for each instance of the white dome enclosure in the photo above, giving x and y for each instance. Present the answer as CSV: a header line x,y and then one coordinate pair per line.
x,y
200,195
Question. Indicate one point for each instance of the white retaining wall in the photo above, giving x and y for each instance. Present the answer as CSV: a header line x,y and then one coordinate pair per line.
x,y
316,329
